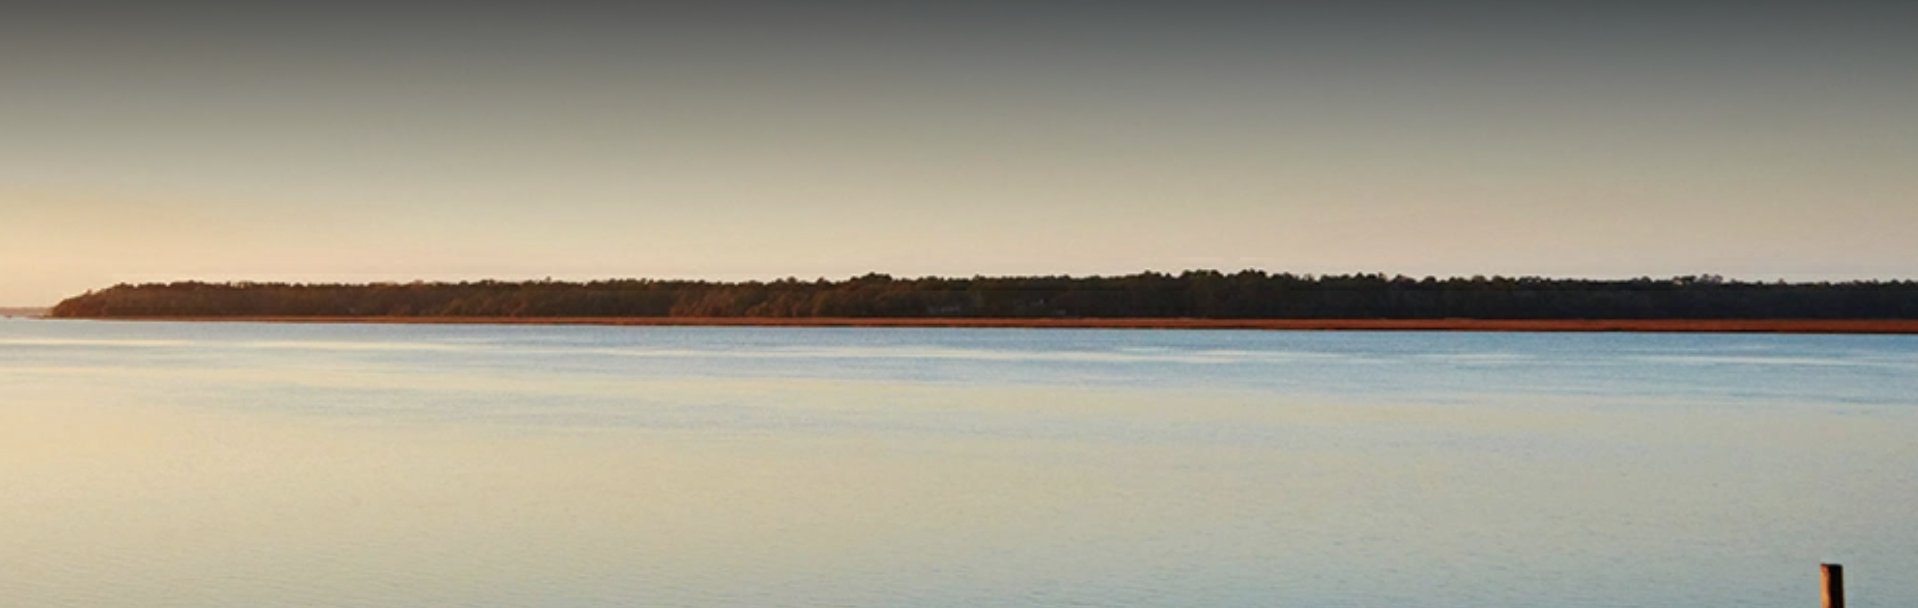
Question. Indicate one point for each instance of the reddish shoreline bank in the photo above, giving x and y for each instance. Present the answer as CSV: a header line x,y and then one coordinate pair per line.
x,y
1795,326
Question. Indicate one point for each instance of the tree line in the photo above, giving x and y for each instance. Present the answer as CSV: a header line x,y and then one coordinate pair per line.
x,y
1249,294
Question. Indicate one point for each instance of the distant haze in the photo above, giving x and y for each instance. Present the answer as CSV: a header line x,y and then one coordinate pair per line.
x,y
733,140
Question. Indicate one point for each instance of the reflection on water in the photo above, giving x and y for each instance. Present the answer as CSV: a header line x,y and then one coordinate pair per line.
x,y
269,465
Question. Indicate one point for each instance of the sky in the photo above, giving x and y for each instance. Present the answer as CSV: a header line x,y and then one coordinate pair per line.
x,y
396,141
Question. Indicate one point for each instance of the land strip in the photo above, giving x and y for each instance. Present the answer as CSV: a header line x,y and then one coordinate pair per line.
x,y
1789,326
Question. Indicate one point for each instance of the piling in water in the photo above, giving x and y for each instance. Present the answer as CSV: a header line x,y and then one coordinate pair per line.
x,y
1834,576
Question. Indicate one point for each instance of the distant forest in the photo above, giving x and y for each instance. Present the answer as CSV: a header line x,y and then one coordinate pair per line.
x,y
1192,294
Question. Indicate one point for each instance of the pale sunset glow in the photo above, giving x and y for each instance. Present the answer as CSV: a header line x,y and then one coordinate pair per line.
x,y
393,142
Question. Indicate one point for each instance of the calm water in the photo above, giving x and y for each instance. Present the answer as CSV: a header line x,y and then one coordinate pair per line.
x,y
211,465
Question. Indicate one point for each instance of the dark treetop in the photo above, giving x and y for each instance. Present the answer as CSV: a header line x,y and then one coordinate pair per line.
x,y
1192,294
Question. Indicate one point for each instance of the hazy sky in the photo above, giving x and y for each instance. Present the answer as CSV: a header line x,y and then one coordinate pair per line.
x,y
394,141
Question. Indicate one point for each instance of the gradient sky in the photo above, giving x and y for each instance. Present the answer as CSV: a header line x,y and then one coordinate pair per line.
x,y
397,141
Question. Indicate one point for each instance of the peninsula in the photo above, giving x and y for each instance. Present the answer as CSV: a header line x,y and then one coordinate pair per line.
x,y
1192,299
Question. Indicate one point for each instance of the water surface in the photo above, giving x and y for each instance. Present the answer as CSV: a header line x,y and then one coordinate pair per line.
x,y
228,465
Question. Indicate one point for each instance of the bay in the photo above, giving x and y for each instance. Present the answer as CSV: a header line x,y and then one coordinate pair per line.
x,y
216,465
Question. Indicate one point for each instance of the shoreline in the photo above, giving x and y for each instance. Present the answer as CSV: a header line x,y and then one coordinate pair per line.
x,y
1786,326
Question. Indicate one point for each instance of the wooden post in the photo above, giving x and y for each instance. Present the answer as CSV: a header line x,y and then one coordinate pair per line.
x,y
1834,585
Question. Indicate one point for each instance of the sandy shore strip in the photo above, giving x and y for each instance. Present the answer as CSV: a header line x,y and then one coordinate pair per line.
x,y
1791,326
